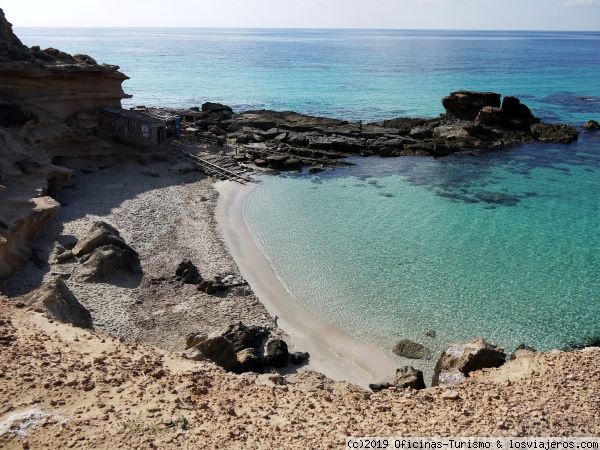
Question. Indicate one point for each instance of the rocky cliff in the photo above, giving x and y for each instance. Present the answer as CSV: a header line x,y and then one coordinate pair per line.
x,y
48,101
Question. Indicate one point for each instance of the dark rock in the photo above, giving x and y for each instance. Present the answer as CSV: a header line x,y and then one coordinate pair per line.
x,y
277,353
216,107
516,114
105,261
259,162
404,125
211,287
214,129
55,298
248,360
459,360
316,169
276,161
84,59
299,358
380,387
556,134
187,273
591,125
412,350
466,104
224,349
291,164
409,377
490,115
421,132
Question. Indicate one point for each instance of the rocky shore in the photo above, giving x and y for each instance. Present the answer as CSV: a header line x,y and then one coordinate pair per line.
x,y
124,319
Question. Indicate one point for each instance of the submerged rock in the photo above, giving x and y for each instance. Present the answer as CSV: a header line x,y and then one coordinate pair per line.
x,y
459,360
409,377
557,134
413,350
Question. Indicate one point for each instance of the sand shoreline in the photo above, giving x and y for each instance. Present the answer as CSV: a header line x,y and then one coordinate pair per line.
x,y
333,353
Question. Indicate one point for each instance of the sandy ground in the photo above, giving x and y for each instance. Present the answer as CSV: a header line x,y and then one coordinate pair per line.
x,y
63,387
166,218
333,353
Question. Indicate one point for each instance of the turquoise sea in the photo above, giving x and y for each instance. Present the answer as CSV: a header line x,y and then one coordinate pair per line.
x,y
503,245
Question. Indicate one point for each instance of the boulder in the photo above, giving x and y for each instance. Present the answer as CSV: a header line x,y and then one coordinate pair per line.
x,y
55,298
459,360
409,377
591,125
516,114
291,164
187,273
100,234
299,358
451,132
413,350
466,105
248,360
277,353
557,134
276,161
216,107
211,287
224,348
105,261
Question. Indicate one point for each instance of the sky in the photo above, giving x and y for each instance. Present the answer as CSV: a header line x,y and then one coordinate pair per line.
x,y
402,14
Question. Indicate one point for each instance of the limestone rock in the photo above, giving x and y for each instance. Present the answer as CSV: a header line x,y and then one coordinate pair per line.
x,y
100,234
459,360
55,298
466,105
409,377
557,134
277,353
413,350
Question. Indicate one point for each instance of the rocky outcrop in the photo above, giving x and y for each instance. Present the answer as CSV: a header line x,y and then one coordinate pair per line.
x,y
277,353
100,234
55,299
591,125
187,273
466,105
459,360
237,349
413,350
105,261
409,377
550,133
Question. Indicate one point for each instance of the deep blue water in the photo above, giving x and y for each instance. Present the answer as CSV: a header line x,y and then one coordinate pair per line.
x,y
504,245
352,74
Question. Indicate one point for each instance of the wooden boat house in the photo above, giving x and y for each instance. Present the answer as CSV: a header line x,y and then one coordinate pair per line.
x,y
140,127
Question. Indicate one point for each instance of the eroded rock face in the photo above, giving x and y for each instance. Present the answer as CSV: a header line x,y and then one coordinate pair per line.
x,y
55,298
459,360
466,105
409,377
105,261
277,353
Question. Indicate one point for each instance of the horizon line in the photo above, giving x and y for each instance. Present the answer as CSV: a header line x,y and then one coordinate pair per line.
x,y
533,30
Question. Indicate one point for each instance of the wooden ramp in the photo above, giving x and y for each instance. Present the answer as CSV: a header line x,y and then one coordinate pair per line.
x,y
223,168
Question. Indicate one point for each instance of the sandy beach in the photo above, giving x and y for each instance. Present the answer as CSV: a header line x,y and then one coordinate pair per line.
x,y
333,353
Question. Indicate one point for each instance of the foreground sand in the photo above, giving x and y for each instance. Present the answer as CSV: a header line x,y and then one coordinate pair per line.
x,y
63,387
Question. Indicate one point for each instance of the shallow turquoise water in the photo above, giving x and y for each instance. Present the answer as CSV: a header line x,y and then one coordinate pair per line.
x,y
505,245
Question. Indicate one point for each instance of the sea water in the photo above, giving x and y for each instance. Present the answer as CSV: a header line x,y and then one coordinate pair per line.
x,y
504,245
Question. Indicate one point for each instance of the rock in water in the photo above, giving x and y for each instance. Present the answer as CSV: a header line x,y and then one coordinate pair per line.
x,y
412,350
556,134
591,125
277,353
459,360
188,273
466,105
516,114
409,377
55,298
